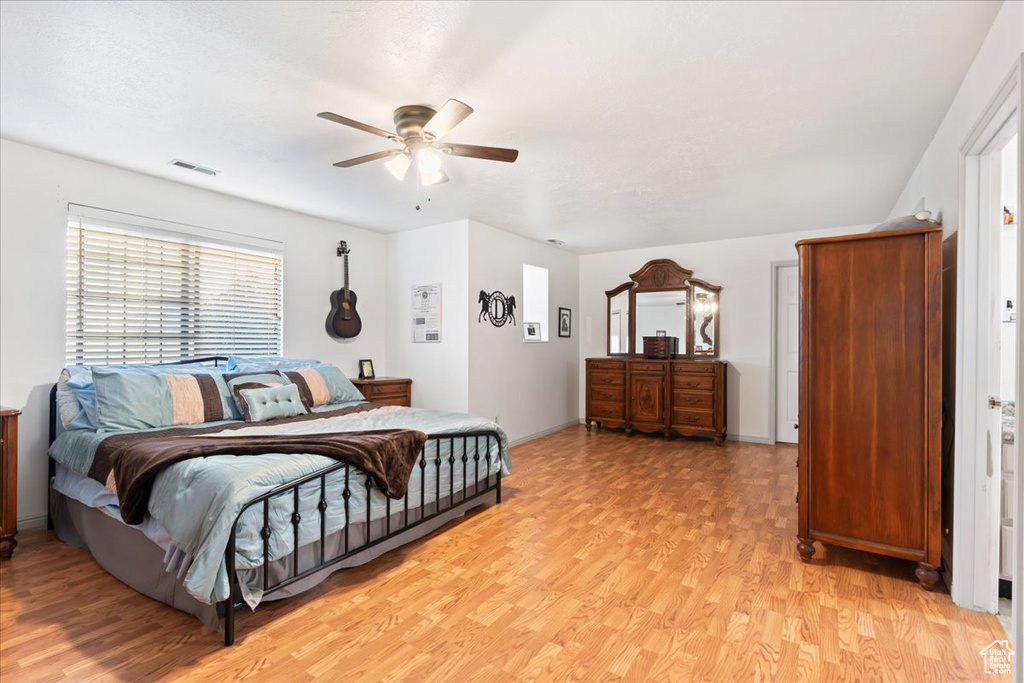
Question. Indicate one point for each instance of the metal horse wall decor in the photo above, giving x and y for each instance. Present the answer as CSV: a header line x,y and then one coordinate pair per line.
x,y
496,308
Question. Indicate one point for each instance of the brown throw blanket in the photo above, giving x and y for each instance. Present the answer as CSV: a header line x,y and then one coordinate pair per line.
x,y
127,464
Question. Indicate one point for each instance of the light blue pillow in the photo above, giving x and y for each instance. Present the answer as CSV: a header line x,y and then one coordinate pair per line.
x,y
266,403
146,397
322,385
250,363
80,384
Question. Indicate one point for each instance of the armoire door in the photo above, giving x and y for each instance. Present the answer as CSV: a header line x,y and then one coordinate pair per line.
x,y
870,384
648,398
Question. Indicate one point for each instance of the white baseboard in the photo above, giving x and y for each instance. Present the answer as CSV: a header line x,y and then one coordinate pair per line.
x,y
749,439
523,439
728,437
34,522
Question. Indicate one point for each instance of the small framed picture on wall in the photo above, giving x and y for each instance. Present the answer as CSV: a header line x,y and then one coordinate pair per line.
x,y
564,322
366,369
531,332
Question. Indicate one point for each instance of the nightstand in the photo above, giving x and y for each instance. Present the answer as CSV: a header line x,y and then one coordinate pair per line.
x,y
8,481
392,391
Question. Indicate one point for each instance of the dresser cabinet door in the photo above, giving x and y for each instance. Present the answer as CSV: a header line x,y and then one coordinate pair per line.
x,y
648,398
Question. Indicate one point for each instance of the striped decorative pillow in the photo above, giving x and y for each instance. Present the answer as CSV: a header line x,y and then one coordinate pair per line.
x,y
195,399
145,398
321,385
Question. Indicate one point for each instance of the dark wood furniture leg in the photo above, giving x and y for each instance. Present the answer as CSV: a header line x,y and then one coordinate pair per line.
x,y
805,547
8,481
927,575
588,425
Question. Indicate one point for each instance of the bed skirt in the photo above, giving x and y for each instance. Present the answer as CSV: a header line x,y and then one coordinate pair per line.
x,y
132,558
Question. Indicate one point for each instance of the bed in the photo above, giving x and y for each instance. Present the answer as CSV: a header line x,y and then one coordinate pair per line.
x,y
223,532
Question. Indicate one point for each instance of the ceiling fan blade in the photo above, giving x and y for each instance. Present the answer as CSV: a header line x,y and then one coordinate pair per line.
x,y
446,118
368,157
355,124
478,152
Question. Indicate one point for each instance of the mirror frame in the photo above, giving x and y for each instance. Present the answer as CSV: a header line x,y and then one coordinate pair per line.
x,y
611,294
662,275
718,315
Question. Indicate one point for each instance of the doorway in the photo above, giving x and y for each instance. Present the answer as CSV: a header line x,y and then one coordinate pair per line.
x,y
986,496
787,352
1002,427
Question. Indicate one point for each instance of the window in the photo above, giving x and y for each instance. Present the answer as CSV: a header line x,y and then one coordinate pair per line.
x,y
138,297
535,303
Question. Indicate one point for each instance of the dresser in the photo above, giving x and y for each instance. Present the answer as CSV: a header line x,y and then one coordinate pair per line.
x,y
685,397
870,395
8,481
392,391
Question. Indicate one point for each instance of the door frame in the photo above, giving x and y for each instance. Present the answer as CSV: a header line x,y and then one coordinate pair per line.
x,y
975,577
773,371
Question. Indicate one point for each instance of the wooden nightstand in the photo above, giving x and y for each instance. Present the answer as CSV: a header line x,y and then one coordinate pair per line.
x,y
392,391
8,481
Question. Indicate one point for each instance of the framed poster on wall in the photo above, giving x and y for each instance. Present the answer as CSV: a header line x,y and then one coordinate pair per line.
x,y
426,313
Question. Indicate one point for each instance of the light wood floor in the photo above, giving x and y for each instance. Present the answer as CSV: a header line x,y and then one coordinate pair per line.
x,y
611,557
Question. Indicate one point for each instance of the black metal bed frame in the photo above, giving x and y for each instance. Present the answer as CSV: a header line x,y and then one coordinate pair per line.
x,y
469,440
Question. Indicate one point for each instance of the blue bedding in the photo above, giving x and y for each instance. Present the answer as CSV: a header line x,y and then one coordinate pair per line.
x,y
197,500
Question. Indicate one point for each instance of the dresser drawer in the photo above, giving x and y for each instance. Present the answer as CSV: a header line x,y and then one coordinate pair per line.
x,y
608,393
402,400
376,391
692,418
694,368
641,366
693,382
604,379
610,365
611,411
684,399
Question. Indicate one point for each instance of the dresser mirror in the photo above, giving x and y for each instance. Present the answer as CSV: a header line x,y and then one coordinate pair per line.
x,y
663,299
618,320
705,320
662,314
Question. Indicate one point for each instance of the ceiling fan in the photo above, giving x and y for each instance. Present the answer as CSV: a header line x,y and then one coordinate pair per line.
x,y
419,129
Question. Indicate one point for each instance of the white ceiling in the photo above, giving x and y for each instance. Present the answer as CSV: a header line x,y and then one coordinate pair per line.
x,y
638,124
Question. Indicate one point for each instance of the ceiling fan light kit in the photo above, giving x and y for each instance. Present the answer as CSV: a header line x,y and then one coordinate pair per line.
x,y
418,129
399,165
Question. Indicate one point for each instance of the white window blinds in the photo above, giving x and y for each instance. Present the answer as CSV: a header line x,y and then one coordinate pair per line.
x,y
139,298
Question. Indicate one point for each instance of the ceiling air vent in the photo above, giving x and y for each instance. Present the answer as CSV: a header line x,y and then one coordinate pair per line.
x,y
192,167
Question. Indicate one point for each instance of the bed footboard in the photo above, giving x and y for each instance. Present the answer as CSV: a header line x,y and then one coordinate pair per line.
x,y
475,453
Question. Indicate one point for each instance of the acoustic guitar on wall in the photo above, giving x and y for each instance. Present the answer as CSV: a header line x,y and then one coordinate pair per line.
x,y
343,321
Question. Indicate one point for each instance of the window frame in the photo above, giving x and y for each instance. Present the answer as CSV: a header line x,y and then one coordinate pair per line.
x,y
198,242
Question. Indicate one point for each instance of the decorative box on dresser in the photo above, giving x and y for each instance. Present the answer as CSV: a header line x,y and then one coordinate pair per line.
x,y
394,391
8,481
870,395
685,397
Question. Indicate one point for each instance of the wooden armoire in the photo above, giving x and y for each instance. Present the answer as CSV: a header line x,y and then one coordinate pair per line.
x,y
870,395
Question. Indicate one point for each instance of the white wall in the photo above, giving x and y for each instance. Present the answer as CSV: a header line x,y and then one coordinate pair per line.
x,y
440,372
37,185
743,269
532,387
936,178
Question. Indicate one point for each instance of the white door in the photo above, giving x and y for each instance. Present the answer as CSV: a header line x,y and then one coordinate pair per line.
x,y
787,350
